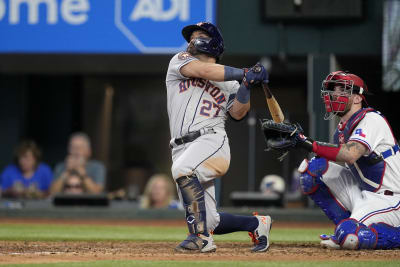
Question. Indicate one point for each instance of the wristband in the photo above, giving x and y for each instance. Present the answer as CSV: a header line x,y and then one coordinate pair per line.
x,y
243,94
231,74
325,150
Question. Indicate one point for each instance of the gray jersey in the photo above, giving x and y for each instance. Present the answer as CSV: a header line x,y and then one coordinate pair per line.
x,y
195,103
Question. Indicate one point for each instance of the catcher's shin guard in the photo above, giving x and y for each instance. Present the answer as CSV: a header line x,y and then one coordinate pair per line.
x,y
351,234
311,185
193,200
388,236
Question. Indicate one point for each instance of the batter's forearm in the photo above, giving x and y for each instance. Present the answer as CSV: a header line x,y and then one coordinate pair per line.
x,y
233,74
239,110
211,71
220,73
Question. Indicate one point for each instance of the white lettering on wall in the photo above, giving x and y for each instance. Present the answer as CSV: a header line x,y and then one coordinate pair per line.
x,y
33,10
154,9
73,12
2,9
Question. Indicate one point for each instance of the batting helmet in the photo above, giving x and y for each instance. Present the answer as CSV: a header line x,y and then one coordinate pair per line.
x,y
350,84
214,46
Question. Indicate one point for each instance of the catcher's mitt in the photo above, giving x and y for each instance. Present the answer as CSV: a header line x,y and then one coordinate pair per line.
x,y
282,137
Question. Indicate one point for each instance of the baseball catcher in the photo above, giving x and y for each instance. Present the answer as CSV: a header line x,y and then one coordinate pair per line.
x,y
362,198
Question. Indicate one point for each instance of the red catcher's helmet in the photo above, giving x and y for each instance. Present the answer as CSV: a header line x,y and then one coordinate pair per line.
x,y
336,102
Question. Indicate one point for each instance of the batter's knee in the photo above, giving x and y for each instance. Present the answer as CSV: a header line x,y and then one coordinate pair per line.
x,y
179,169
352,234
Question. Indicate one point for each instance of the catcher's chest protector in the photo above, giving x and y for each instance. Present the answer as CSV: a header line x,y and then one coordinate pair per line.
x,y
370,169
343,132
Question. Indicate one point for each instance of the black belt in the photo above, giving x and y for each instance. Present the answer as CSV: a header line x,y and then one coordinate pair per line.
x,y
190,137
388,193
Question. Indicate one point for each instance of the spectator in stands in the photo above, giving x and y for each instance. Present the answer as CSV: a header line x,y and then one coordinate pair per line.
x,y
73,183
78,159
27,177
159,193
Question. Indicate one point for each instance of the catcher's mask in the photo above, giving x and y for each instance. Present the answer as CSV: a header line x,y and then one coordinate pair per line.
x,y
337,89
213,46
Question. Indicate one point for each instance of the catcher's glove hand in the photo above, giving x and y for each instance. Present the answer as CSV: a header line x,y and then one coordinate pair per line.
x,y
282,137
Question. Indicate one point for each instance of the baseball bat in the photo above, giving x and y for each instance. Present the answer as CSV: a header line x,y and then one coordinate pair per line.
x,y
273,105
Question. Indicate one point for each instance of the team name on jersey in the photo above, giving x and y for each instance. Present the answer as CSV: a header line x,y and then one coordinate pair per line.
x,y
213,90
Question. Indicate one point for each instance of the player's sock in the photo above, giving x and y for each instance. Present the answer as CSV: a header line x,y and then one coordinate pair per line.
x,y
230,223
193,200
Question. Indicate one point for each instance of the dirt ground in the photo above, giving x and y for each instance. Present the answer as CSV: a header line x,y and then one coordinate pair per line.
x,y
49,252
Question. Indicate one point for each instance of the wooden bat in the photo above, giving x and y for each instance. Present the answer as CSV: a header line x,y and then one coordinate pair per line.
x,y
273,105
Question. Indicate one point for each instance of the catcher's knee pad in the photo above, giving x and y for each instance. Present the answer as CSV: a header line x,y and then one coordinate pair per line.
x,y
193,200
388,236
352,234
311,185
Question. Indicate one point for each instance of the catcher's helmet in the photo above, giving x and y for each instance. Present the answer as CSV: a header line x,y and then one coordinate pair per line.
x,y
336,102
214,46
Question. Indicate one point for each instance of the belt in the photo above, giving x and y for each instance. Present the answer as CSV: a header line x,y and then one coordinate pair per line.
x,y
388,193
190,137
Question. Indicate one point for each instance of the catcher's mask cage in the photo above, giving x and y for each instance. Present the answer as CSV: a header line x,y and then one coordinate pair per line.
x,y
337,89
213,46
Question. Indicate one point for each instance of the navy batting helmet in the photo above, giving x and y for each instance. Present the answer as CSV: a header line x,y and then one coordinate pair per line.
x,y
214,47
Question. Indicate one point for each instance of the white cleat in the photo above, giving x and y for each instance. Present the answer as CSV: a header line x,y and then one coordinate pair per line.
x,y
260,236
328,242
197,243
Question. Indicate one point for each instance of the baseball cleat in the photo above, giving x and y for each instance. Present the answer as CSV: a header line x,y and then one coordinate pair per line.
x,y
329,241
197,243
260,236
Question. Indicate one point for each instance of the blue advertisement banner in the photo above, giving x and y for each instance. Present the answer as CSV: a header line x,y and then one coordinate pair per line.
x,y
99,26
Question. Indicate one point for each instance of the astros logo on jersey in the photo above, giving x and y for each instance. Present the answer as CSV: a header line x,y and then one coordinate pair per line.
x,y
213,90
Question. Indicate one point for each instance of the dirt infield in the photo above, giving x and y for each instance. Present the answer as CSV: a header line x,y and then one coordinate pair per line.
x,y
168,223
50,252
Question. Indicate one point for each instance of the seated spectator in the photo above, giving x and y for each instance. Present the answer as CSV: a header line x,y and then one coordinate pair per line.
x,y
159,193
27,178
78,159
73,184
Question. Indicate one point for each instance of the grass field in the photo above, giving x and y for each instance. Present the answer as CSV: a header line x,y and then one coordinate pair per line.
x,y
63,244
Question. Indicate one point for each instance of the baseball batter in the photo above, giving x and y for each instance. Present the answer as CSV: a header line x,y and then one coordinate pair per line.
x,y
363,197
201,93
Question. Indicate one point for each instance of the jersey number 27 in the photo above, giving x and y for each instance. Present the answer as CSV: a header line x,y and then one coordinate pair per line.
x,y
205,110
